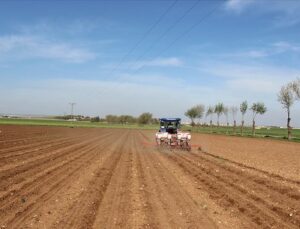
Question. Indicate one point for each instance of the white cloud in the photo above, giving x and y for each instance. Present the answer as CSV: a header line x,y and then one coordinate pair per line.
x,y
268,50
238,5
287,11
248,54
284,46
23,46
251,77
158,62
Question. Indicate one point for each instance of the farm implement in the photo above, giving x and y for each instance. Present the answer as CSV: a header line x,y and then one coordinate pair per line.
x,y
170,136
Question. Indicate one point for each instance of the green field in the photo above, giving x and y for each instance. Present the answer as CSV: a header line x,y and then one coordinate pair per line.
x,y
274,133
57,122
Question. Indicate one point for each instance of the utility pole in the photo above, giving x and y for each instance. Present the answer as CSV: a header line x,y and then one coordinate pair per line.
x,y
72,110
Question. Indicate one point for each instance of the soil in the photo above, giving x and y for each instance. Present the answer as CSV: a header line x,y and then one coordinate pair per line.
x,y
53,177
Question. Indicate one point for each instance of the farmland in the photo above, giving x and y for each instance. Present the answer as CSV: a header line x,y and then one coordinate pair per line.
x,y
59,177
273,132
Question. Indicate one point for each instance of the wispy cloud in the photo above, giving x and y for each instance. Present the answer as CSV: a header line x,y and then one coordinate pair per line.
x,y
268,50
284,46
78,26
251,77
238,5
27,47
248,54
287,11
158,62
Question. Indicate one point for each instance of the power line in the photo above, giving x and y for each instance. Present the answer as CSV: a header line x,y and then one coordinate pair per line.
x,y
144,36
140,41
192,27
168,30
186,12
183,34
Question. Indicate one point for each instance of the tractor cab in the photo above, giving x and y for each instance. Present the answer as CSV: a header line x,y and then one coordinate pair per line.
x,y
169,125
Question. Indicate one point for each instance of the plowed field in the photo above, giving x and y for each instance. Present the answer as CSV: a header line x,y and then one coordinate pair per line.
x,y
107,178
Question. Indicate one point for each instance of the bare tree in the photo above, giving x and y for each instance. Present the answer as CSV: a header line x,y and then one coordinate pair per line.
x,y
219,110
210,112
296,87
226,113
257,108
243,109
287,96
233,111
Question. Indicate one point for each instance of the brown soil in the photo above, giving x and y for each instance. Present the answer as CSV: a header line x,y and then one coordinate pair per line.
x,y
107,178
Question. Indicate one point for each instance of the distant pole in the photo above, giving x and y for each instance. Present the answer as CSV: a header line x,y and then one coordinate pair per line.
x,y
72,109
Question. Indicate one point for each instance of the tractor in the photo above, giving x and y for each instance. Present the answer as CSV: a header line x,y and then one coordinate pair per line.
x,y
170,136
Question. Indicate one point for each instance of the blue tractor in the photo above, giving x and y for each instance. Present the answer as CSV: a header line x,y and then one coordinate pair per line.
x,y
170,135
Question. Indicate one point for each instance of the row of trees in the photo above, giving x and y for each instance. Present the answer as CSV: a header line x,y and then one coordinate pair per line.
x,y
198,111
288,94
144,118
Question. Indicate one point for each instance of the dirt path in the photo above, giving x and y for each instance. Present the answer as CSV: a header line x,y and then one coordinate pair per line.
x,y
106,178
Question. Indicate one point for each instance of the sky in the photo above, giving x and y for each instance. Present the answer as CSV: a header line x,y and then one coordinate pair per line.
x,y
158,56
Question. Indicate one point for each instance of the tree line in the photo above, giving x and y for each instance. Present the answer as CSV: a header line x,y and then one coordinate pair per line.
x,y
143,119
288,94
198,111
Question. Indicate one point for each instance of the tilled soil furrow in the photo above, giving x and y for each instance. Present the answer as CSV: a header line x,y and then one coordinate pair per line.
x,y
272,176
45,171
56,180
287,188
286,198
19,173
21,154
28,188
36,152
280,204
174,207
83,213
13,140
142,210
117,213
11,150
231,196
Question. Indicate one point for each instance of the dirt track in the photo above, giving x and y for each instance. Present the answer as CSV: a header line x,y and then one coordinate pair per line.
x,y
108,178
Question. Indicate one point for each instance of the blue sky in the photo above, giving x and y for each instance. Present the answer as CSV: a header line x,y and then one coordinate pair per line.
x,y
56,52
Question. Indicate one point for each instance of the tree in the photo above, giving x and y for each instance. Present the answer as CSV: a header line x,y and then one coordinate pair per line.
x,y
226,113
296,87
210,112
219,110
126,119
95,119
195,112
257,108
155,121
243,109
233,111
287,96
111,118
200,111
145,118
